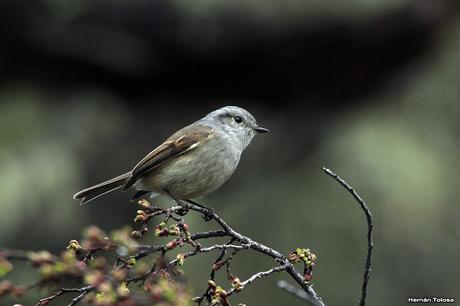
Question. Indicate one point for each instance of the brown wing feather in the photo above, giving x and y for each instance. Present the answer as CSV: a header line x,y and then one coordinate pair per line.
x,y
179,143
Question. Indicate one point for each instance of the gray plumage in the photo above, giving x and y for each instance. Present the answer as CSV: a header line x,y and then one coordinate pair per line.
x,y
193,162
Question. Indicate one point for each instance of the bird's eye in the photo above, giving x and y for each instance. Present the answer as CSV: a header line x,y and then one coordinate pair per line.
x,y
238,119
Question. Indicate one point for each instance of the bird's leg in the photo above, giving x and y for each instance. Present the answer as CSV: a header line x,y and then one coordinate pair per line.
x,y
137,195
184,210
207,216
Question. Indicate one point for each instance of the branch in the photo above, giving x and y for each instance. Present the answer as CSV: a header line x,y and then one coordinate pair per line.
x,y
260,275
110,281
79,297
82,291
209,249
150,249
370,228
313,297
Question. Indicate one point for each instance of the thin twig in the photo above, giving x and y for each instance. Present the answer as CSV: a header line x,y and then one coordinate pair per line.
x,y
83,291
259,275
222,247
143,277
90,254
79,297
218,260
213,273
370,228
228,262
150,249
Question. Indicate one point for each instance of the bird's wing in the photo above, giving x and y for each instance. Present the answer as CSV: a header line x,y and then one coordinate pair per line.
x,y
179,143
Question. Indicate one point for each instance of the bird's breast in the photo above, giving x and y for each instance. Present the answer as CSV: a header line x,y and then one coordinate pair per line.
x,y
195,173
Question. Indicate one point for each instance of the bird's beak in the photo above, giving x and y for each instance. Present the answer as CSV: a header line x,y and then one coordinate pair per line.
x,y
260,129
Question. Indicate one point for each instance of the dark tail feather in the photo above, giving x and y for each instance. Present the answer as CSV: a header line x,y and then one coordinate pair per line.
x,y
93,192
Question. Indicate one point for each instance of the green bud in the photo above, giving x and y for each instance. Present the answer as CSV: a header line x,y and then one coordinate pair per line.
x,y
74,245
132,261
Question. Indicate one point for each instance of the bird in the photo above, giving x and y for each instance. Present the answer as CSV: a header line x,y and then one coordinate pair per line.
x,y
191,163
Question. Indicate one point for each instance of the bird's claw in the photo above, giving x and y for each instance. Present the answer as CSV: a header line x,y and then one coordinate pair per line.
x,y
208,215
182,211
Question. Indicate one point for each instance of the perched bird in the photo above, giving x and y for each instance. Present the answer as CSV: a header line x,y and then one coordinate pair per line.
x,y
193,162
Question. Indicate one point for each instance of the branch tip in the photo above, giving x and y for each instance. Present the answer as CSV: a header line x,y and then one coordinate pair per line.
x,y
370,228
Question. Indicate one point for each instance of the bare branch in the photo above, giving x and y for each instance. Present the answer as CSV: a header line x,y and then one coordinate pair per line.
x,y
79,297
83,291
259,275
370,228
209,249
150,249
223,247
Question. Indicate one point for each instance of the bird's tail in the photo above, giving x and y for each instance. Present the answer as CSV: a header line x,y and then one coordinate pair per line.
x,y
93,192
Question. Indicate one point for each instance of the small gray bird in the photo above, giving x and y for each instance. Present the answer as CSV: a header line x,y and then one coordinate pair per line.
x,y
193,162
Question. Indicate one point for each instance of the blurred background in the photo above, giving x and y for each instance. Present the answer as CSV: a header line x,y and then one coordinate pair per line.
x,y
368,88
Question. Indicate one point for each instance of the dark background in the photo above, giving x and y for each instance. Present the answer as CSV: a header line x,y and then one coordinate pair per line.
x,y
368,88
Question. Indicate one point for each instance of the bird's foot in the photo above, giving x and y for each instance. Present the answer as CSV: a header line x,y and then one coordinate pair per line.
x,y
208,215
183,210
